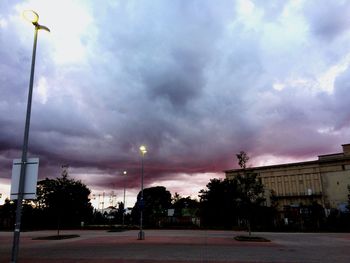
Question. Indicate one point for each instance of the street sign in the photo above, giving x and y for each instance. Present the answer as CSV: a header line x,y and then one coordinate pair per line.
x,y
171,212
31,178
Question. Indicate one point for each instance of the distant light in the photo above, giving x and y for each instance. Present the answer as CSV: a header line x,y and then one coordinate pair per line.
x,y
143,149
31,16
125,172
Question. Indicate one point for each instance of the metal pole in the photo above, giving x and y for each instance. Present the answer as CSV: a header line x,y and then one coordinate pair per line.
x,y
103,202
124,202
141,233
16,235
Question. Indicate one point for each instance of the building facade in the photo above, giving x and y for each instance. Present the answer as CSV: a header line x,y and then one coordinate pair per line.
x,y
324,181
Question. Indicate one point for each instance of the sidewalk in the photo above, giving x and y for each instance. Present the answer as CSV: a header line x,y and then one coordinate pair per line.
x,y
177,246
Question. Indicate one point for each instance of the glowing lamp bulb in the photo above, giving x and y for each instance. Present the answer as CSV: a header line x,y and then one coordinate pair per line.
x,y
31,16
143,149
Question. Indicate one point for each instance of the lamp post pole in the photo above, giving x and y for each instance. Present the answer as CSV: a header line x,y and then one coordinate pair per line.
x,y
124,173
141,235
32,17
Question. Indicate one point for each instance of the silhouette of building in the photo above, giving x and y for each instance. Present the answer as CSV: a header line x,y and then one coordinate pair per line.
x,y
324,181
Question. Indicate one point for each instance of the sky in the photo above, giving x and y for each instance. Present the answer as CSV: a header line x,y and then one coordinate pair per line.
x,y
195,81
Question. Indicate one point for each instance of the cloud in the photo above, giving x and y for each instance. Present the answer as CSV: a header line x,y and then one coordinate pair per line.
x,y
328,20
194,81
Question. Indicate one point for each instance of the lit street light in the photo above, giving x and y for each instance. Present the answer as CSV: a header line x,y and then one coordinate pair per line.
x,y
33,18
141,233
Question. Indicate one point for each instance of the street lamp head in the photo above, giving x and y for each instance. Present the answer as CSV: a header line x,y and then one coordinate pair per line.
x,y
143,150
125,172
31,16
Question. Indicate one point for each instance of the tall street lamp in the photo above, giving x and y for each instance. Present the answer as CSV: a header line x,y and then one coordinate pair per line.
x,y
33,18
142,204
124,173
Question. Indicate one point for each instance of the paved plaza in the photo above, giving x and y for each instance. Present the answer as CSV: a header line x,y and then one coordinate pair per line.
x,y
177,246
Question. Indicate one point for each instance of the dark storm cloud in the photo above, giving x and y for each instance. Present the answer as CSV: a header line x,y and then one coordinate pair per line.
x,y
328,19
179,83
194,81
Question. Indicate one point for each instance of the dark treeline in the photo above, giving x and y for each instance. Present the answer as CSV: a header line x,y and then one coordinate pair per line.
x,y
64,203
60,202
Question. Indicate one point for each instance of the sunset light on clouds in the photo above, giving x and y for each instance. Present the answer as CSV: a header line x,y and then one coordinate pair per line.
x,y
195,81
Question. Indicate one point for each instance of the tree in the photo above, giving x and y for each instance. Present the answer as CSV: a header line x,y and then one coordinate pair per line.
x,y
156,202
250,190
64,201
117,214
243,159
225,202
176,198
218,203
7,214
184,206
30,216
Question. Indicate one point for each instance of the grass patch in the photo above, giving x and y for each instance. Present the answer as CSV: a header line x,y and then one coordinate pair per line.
x,y
251,239
56,237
